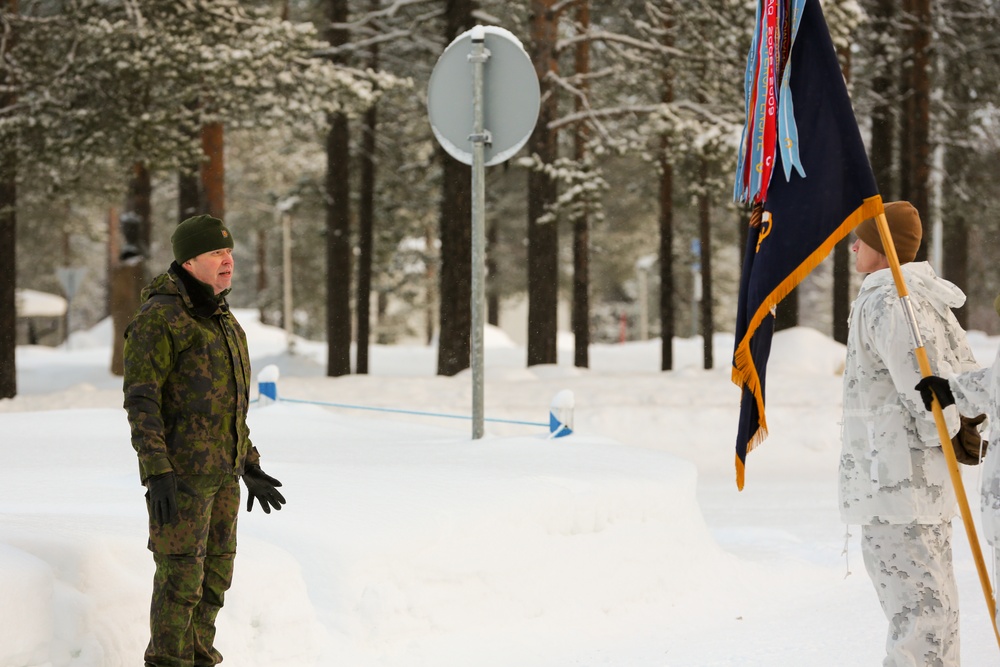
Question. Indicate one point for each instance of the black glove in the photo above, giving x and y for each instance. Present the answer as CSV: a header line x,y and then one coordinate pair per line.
x,y
939,387
260,485
163,490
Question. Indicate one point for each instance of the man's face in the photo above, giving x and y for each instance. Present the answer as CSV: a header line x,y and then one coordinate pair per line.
x,y
868,259
214,268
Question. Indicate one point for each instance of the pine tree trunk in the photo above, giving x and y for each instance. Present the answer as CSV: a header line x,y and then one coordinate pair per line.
x,y
705,234
581,293
492,275
338,223
366,223
126,283
543,237
262,273
906,95
667,316
581,227
189,196
8,274
338,248
455,278
455,286
920,123
666,203
914,157
139,201
842,251
430,280
8,240
954,188
841,289
883,14
956,261
127,280
213,170
366,227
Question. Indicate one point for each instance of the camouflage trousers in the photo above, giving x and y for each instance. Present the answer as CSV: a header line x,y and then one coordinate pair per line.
x,y
194,569
910,565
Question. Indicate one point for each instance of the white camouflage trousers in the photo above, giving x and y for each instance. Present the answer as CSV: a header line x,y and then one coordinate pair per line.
x,y
910,565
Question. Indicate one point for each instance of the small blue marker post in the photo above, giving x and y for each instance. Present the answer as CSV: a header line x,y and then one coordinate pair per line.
x,y
267,384
561,414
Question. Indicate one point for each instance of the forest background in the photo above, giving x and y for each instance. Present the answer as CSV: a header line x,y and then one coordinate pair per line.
x,y
119,118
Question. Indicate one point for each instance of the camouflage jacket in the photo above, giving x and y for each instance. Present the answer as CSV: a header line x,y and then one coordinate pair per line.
x,y
978,392
891,465
187,380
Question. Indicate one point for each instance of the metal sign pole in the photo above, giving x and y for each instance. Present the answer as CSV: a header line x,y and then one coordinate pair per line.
x,y
509,97
479,138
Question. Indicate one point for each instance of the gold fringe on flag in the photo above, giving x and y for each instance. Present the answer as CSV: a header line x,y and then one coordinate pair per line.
x,y
744,370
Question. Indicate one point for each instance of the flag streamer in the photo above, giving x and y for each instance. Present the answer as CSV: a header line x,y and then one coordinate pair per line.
x,y
803,218
788,144
770,121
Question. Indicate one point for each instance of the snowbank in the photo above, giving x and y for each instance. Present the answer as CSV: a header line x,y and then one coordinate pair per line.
x,y
397,539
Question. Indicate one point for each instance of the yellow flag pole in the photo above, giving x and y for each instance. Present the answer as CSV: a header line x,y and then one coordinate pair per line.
x,y
942,428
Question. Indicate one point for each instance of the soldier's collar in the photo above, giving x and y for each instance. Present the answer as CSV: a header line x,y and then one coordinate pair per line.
x,y
203,300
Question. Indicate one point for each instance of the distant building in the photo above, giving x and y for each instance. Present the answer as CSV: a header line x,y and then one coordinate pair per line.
x,y
41,317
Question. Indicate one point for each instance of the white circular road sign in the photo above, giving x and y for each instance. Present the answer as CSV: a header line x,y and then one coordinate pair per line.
x,y
510,96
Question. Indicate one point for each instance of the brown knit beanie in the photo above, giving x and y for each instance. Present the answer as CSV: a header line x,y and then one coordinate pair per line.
x,y
904,227
202,233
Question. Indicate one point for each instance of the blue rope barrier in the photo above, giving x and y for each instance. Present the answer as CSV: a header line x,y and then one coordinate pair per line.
x,y
409,412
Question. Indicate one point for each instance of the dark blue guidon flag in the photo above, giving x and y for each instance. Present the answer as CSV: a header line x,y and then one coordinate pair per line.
x,y
804,216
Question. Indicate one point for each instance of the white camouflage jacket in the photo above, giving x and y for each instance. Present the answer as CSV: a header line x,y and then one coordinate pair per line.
x,y
891,464
978,392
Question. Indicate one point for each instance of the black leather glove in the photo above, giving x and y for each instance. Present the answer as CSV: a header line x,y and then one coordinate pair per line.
x,y
261,486
163,490
938,386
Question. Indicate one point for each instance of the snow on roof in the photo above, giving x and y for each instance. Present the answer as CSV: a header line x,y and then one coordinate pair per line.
x,y
32,303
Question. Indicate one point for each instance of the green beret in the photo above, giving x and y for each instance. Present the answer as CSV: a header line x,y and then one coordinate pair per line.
x,y
201,233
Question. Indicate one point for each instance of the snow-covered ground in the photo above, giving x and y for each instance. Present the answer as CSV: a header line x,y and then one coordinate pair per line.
x,y
405,542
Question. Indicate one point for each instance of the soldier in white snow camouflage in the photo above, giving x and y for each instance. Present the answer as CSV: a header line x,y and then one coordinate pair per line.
x,y
972,392
893,477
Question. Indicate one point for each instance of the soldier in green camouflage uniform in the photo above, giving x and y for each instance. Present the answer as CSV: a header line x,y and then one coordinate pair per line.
x,y
187,380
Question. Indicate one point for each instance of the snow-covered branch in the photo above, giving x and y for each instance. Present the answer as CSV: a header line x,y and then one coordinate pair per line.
x,y
611,112
597,34
386,12
562,5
